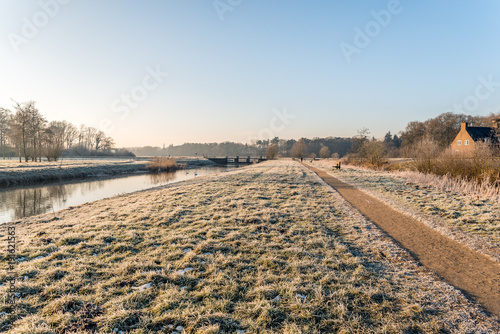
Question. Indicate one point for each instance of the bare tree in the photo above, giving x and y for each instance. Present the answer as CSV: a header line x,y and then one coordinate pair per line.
x,y
299,149
271,152
5,116
90,137
99,138
108,143
359,141
37,125
28,132
81,135
324,152
27,125
71,135
54,139
375,152
19,130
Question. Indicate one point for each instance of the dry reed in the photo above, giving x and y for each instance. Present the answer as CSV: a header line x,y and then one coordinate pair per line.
x,y
162,164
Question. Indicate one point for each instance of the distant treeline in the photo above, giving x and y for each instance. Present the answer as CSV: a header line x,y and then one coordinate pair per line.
x,y
27,134
337,147
429,138
442,129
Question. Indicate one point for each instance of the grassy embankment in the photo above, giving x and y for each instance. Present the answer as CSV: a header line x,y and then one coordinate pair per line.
x,y
265,249
15,173
467,211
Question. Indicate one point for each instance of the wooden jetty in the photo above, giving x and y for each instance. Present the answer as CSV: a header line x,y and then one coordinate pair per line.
x,y
237,160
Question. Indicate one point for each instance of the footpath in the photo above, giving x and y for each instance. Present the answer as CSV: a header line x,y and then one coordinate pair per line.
x,y
473,273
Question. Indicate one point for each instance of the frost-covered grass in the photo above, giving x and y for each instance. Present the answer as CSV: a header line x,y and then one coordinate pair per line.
x,y
14,173
7,165
264,249
472,209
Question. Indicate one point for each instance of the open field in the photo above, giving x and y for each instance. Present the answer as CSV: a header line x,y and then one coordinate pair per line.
x,y
264,249
14,173
452,207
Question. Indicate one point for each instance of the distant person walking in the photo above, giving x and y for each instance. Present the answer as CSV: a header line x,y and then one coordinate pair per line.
x,y
301,159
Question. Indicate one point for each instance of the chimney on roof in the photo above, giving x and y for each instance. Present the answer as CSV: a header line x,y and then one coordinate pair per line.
x,y
496,123
465,125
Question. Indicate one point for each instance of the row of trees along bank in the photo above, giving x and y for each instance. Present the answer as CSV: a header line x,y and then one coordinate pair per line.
x,y
26,133
276,147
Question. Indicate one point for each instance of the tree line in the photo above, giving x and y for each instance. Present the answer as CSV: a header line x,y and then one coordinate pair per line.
x,y
25,132
442,129
438,133
304,147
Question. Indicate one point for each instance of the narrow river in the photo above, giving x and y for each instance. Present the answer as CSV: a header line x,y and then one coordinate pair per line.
x,y
20,202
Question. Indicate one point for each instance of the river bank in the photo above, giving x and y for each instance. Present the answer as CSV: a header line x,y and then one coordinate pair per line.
x,y
23,201
264,249
13,173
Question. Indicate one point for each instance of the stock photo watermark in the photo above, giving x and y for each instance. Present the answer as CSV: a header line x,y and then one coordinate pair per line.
x,y
11,296
371,30
482,92
123,105
224,6
278,123
31,27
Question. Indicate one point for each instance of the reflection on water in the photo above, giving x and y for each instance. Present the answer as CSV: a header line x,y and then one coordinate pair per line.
x,y
162,178
28,201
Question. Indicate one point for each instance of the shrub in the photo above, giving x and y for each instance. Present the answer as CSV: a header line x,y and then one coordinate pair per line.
x,y
375,152
162,164
479,164
324,152
425,153
271,152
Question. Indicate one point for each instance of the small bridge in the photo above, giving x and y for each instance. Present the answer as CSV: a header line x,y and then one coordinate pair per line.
x,y
237,160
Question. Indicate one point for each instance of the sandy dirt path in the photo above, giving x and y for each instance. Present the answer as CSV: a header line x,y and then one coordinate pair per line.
x,y
473,273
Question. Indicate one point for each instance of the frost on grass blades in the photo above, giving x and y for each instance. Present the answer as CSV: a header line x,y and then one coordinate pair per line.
x,y
32,26
259,250
372,29
482,92
122,106
224,6
277,124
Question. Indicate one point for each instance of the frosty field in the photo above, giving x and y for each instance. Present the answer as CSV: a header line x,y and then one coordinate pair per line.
x,y
265,249
453,208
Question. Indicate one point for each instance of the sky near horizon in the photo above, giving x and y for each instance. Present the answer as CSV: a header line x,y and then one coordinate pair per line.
x,y
173,71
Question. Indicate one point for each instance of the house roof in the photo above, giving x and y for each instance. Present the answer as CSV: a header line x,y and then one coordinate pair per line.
x,y
478,133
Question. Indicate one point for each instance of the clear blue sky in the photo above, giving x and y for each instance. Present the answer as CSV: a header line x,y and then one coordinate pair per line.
x,y
231,68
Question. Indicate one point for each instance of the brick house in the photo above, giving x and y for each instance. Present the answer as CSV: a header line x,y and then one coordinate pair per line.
x,y
469,135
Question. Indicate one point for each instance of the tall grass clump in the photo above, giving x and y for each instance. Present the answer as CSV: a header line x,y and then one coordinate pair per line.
x,y
479,164
425,153
162,164
455,185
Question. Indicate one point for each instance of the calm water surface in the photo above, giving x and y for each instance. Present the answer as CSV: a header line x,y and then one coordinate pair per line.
x,y
22,202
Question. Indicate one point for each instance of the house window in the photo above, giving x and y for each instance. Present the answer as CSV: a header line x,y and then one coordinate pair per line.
x,y
466,143
459,143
